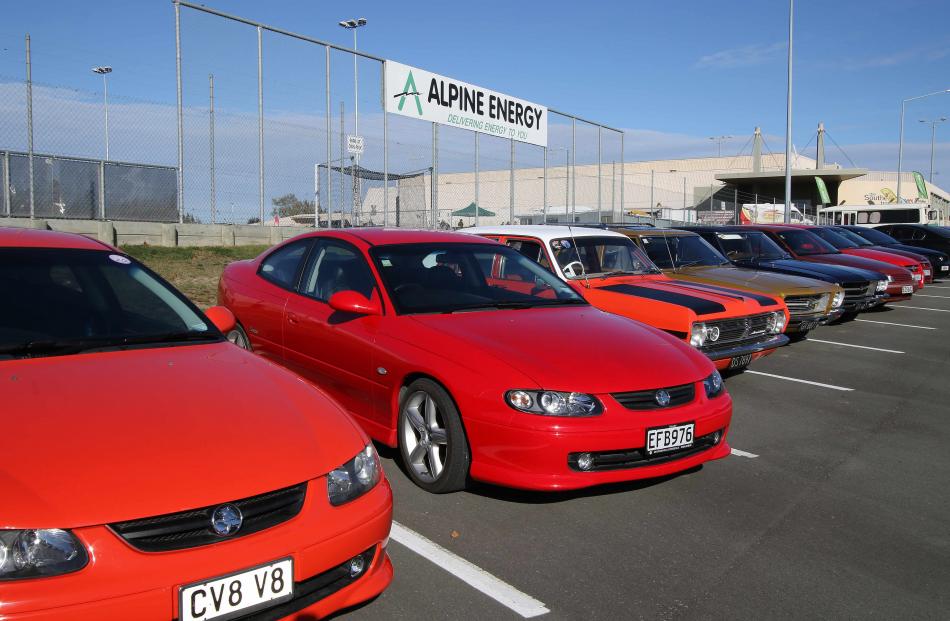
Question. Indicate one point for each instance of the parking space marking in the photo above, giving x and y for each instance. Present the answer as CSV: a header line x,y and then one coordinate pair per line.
x,y
939,310
903,325
739,453
888,351
474,576
942,297
802,381
937,287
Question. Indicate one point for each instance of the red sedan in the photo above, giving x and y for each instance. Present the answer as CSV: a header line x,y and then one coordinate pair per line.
x,y
477,362
152,470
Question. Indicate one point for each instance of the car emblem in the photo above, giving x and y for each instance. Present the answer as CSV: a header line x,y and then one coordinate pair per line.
x,y
662,398
226,520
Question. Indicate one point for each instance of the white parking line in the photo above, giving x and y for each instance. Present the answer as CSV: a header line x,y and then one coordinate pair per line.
x,y
474,576
903,325
801,381
937,287
939,310
739,453
942,297
889,351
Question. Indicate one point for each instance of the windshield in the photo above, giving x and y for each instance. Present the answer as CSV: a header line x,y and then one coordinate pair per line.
x,y
454,277
66,301
669,251
853,237
833,238
600,257
750,245
874,236
805,243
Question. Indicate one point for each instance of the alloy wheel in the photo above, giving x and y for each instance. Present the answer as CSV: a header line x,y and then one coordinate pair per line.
x,y
424,436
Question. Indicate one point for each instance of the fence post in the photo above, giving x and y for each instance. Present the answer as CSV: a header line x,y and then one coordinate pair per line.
x,y
434,190
599,155
735,205
684,201
260,123
567,180
342,184
652,213
181,131
511,183
544,190
573,170
329,204
385,152
102,190
211,139
477,207
613,188
622,215
6,184
29,121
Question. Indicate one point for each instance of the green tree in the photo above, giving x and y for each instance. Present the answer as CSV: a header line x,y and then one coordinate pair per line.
x,y
290,205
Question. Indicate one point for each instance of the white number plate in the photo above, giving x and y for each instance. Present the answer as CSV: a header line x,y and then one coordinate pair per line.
x,y
907,289
944,268
236,595
668,438
926,272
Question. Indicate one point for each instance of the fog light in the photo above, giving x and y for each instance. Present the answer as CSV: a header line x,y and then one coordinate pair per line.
x,y
585,461
716,437
357,565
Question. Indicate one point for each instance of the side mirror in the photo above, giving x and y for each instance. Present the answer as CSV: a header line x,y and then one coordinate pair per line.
x,y
355,303
222,318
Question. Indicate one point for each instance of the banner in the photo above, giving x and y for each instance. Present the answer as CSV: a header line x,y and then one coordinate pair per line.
x,y
419,94
921,186
822,191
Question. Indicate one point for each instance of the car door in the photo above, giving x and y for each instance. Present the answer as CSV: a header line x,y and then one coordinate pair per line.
x,y
334,350
260,309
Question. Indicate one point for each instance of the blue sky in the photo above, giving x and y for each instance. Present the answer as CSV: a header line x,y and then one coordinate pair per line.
x,y
673,73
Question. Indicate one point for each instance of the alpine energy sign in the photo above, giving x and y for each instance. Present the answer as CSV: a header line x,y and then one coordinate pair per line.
x,y
431,97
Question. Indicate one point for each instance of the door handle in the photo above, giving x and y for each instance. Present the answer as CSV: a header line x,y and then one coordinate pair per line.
x,y
292,318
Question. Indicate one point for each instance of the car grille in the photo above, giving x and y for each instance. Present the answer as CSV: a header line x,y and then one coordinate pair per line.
x,y
189,529
739,330
807,304
855,292
636,458
646,399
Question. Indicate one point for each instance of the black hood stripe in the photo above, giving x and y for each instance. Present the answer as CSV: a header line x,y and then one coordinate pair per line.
x,y
763,300
697,305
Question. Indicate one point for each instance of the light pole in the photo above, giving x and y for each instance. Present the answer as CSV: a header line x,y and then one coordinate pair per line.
x,y
933,136
104,71
719,140
788,117
900,143
353,24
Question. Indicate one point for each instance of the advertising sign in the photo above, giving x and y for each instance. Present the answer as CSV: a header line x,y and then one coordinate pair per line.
x,y
822,191
922,192
419,94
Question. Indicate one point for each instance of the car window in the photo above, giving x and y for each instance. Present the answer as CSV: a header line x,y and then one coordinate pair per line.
x,y
747,245
333,267
669,251
918,234
583,257
530,249
282,266
805,243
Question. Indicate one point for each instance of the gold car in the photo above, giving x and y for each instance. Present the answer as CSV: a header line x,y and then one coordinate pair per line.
x,y
686,256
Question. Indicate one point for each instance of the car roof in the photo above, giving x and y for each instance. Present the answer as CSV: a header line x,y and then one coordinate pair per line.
x,y
379,236
41,238
658,233
544,232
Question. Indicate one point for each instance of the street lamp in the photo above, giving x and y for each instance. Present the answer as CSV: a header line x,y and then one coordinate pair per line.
x,y
104,71
933,135
719,140
353,24
900,144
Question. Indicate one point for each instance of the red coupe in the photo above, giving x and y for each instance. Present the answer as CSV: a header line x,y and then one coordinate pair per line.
x,y
152,470
477,362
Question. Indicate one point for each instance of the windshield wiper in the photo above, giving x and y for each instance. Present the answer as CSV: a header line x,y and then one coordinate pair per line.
x,y
619,273
74,346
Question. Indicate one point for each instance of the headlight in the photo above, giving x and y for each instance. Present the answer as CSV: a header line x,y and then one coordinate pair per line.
x,y
354,478
713,385
775,322
838,301
882,284
697,334
39,553
553,403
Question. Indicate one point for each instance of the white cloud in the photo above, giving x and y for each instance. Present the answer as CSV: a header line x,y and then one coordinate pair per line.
x,y
745,56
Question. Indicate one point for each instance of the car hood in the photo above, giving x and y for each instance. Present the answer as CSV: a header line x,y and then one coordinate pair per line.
x,y
877,255
924,252
852,260
825,271
572,348
111,436
771,283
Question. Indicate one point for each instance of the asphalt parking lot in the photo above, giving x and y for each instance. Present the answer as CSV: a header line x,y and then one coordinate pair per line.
x,y
833,505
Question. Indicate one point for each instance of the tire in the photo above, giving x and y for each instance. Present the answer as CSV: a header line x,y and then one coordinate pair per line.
x,y
238,336
797,337
432,440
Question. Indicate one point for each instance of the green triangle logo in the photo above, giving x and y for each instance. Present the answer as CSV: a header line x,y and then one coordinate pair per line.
x,y
409,89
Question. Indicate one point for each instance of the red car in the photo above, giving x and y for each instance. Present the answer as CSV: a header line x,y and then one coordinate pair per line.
x,y
841,243
152,470
513,380
804,245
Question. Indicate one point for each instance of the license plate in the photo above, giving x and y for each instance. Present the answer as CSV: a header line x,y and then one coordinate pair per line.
x,y
926,272
740,361
907,289
237,594
662,439
945,268
808,325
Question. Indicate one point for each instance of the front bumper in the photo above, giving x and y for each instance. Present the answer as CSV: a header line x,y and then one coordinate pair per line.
x,y
804,323
121,583
756,349
524,454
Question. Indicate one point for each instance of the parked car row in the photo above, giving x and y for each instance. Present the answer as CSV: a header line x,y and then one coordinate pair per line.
x,y
160,472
